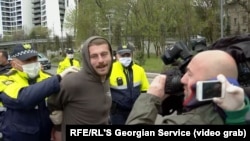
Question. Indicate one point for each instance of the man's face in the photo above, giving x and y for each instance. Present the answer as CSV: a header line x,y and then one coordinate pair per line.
x,y
70,55
100,58
17,64
194,72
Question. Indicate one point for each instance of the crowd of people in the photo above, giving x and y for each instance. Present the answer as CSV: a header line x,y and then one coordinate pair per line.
x,y
107,90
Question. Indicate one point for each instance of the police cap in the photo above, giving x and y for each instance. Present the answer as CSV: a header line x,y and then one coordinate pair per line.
x,y
23,52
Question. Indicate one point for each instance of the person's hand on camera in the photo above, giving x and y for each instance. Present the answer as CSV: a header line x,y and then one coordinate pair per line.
x,y
56,117
157,86
234,96
69,70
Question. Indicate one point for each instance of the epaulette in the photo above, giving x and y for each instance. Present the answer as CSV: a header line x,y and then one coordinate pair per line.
x,y
10,72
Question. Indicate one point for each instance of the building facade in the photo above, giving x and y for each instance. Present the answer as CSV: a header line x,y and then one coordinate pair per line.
x,y
238,16
23,15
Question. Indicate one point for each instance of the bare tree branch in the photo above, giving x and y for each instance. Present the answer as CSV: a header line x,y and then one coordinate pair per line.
x,y
98,3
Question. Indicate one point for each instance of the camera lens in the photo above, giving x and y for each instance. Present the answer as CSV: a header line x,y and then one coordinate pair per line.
x,y
173,85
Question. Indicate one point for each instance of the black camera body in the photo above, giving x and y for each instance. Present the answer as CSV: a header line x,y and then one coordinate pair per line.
x,y
198,44
173,85
178,50
174,75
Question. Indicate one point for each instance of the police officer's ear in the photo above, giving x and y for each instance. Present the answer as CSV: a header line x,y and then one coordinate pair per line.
x,y
15,65
12,63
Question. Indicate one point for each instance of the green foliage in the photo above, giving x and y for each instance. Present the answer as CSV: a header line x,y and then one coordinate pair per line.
x,y
139,57
145,20
7,38
56,59
117,38
57,43
85,20
153,64
69,41
39,32
52,56
19,35
70,20
78,56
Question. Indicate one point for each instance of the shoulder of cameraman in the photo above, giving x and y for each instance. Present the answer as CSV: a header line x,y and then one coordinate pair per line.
x,y
239,117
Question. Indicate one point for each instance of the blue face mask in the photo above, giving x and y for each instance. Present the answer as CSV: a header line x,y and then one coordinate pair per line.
x,y
125,61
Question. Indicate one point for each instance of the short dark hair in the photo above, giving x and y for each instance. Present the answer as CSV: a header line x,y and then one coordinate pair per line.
x,y
98,41
5,54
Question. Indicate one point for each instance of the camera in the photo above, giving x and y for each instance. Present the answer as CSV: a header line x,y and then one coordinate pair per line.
x,y
173,85
198,44
178,50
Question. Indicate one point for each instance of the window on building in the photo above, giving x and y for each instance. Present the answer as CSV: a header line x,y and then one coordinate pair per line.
x,y
244,19
44,18
235,21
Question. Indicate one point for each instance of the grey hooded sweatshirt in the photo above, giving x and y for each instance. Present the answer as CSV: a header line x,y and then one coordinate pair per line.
x,y
83,97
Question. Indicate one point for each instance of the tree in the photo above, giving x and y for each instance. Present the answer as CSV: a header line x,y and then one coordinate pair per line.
x,y
117,35
147,24
69,41
39,31
86,20
19,35
57,44
70,21
208,13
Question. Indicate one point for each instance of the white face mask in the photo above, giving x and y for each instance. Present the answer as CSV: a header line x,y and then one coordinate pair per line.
x,y
70,56
125,61
32,69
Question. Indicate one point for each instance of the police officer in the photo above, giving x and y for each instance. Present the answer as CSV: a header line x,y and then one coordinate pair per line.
x,y
127,81
23,91
68,61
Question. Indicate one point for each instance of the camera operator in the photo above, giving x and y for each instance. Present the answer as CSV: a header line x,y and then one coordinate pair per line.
x,y
174,87
145,109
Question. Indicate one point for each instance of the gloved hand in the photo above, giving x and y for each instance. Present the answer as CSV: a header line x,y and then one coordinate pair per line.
x,y
56,117
69,70
234,96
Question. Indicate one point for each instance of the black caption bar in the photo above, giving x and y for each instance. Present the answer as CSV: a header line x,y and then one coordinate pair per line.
x,y
75,132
